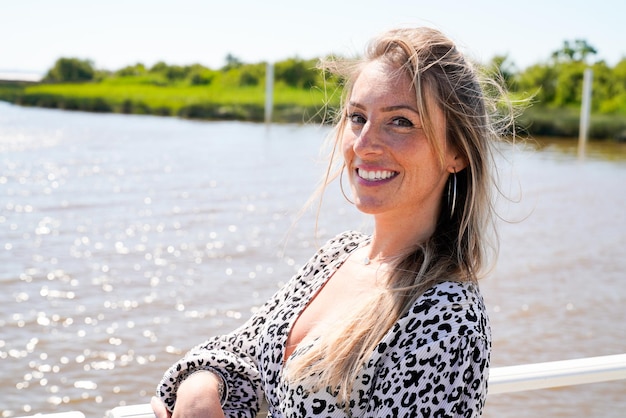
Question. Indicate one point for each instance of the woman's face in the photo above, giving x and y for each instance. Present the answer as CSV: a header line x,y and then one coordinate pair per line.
x,y
393,169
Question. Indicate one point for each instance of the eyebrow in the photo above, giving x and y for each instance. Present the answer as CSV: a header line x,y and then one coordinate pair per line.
x,y
388,108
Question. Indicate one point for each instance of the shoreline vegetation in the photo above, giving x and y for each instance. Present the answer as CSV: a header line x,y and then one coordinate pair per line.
x,y
302,94
237,103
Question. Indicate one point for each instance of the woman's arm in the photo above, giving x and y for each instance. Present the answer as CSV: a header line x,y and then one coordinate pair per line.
x,y
231,358
200,395
435,361
447,378
235,356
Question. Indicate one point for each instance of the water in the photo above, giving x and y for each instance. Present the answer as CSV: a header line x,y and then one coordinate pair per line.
x,y
124,240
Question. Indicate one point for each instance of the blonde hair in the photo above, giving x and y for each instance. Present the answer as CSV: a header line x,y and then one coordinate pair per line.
x,y
458,249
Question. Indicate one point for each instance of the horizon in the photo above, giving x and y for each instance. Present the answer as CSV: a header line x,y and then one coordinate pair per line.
x,y
120,33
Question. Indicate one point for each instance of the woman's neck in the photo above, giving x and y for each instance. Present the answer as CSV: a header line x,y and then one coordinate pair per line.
x,y
393,238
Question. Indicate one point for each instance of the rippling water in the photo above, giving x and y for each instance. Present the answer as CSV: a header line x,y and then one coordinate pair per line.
x,y
124,240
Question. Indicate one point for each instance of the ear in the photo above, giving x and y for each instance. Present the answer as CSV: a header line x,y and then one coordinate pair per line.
x,y
456,163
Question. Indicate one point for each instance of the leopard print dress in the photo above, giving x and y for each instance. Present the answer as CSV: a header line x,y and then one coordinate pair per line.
x,y
434,361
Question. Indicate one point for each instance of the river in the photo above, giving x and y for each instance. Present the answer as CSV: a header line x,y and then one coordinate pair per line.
x,y
125,240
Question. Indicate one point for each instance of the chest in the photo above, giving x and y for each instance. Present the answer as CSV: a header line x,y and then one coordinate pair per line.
x,y
340,296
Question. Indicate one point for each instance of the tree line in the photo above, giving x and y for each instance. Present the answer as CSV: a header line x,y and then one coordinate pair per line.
x,y
555,83
293,72
551,91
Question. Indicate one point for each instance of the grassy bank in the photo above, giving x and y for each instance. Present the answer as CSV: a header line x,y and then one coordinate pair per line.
x,y
565,122
196,102
10,91
247,103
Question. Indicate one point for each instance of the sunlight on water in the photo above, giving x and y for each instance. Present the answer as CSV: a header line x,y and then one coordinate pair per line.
x,y
127,240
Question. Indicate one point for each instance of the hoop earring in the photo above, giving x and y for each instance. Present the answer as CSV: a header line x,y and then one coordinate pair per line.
x,y
452,190
341,185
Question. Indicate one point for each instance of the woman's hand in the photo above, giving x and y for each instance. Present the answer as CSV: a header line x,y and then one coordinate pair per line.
x,y
197,397
159,409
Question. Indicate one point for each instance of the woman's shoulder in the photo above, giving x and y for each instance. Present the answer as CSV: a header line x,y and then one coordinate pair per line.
x,y
453,292
344,242
451,307
447,317
331,254
350,237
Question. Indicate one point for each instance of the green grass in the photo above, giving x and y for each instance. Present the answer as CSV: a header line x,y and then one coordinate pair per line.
x,y
153,96
178,96
205,102
10,91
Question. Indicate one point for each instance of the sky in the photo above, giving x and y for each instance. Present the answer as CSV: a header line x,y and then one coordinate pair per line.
x,y
116,33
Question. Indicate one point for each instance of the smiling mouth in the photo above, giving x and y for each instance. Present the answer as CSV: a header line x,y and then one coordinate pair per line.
x,y
377,175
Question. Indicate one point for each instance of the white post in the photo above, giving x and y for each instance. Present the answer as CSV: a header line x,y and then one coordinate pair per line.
x,y
269,92
585,111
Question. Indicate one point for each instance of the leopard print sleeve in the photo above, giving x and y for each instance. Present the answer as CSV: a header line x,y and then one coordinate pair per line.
x,y
435,361
236,356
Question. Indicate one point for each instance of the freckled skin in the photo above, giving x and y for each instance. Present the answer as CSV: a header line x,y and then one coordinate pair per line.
x,y
384,132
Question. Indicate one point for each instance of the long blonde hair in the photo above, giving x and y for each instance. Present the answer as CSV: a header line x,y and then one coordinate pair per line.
x,y
458,249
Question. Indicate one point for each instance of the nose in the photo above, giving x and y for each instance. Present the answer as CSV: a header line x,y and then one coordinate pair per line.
x,y
367,141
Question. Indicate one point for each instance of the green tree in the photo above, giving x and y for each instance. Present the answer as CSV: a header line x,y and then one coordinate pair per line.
x,y
539,81
578,51
616,103
176,72
296,72
200,76
603,89
244,75
69,70
159,67
252,74
501,68
232,62
569,80
619,77
172,73
132,70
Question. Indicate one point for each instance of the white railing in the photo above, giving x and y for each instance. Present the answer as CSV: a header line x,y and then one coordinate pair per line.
x,y
557,374
501,380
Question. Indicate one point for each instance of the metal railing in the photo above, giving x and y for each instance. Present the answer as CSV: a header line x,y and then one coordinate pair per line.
x,y
557,374
501,380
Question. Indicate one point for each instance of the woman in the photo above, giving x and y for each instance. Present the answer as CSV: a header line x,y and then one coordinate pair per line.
x,y
391,324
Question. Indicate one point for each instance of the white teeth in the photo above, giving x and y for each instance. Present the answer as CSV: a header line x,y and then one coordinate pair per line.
x,y
375,175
